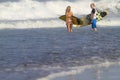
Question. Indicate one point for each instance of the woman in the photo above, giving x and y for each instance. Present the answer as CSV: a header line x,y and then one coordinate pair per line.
x,y
69,15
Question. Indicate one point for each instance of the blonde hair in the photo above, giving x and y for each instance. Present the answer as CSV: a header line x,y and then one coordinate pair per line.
x,y
68,9
92,4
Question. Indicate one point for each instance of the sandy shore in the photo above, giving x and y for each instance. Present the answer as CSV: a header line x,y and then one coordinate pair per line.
x,y
29,54
103,71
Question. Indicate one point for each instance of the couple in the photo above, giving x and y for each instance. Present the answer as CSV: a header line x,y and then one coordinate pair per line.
x,y
69,15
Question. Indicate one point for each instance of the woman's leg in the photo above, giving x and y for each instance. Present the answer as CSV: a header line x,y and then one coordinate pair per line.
x,y
70,27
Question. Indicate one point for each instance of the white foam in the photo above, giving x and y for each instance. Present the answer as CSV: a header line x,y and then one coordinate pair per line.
x,y
78,70
38,10
32,24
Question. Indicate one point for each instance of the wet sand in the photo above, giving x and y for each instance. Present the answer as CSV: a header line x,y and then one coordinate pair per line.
x,y
30,54
104,71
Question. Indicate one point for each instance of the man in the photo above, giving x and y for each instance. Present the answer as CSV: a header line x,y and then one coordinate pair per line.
x,y
93,17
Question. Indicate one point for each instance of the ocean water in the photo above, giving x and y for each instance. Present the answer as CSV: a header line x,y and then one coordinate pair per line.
x,y
106,71
35,45
38,13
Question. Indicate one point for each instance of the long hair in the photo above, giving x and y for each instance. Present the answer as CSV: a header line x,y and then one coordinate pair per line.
x,y
68,9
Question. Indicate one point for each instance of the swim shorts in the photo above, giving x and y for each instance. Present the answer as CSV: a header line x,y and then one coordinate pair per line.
x,y
94,23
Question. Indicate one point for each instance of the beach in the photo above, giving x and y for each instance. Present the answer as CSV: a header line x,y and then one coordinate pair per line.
x,y
30,54
35,44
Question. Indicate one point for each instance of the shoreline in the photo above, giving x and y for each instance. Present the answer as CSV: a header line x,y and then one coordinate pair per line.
x,y
29,54
63,75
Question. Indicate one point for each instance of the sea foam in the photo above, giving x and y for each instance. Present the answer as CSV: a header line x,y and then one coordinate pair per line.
x,y
37,14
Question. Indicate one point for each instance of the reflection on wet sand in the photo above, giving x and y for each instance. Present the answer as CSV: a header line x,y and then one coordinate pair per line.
x,y
96,72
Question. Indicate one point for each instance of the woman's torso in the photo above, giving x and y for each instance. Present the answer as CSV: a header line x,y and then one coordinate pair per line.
x,y
69,17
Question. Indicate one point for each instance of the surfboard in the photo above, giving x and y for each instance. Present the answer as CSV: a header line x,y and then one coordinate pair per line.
x,y
85,20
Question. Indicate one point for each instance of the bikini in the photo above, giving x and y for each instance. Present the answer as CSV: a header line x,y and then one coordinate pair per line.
x,y
68,19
